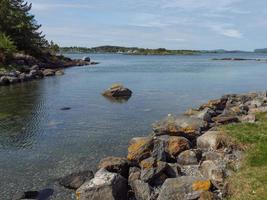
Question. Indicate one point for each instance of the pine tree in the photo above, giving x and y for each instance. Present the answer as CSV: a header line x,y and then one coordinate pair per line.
x,y
17,23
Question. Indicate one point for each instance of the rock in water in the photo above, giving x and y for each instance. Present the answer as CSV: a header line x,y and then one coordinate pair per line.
x,y
117,90
105,185
75,180
86,58
49,72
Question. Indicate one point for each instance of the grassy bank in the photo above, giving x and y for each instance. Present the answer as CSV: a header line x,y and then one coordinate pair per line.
x,y
250,181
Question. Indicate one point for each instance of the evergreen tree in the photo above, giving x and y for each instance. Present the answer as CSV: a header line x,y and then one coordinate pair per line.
x,y
17,23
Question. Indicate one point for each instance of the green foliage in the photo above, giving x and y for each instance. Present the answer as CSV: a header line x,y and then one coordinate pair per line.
x,y
53,47
17,23
6,44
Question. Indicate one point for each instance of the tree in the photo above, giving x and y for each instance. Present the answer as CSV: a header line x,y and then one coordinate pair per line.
x,y
17,23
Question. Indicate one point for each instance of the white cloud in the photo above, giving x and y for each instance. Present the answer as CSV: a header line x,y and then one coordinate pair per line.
x,y
50,6
200,4
226,31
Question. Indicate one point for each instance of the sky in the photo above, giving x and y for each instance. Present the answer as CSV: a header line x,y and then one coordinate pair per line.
x,y
172,24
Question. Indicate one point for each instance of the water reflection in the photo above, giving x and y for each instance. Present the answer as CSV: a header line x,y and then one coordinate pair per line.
x,y
119,100
18,115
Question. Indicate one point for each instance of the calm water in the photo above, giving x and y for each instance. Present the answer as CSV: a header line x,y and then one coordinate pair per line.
x,y
39,142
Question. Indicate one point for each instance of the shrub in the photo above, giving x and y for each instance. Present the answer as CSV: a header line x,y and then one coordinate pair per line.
x,y
6,44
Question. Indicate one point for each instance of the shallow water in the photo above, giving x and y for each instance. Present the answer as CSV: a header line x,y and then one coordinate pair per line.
x,y
39,142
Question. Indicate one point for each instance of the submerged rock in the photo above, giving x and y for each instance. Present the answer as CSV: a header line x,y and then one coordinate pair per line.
x,y
105,185
39,195
75,180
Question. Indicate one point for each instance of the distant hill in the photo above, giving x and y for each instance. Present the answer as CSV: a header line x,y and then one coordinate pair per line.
x,y
140,51
264,50
127,50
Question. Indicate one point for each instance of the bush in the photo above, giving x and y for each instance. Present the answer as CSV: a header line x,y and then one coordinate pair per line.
x,y
6,44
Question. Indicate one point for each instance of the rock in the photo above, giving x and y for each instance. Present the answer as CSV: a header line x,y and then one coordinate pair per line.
x,y
105,185
160,148
209,140
258,110
75,180
4,80
182,188
173,170
116,164
134,174
214,171
35,67
141,190
117,90
179,126
27,59
176,145
225,119
166,148
65,108
206,114
206,195
152,171
86,58
139,148
251,118
213,155
49,72
189,157
59,73
41,195
190,170
217,104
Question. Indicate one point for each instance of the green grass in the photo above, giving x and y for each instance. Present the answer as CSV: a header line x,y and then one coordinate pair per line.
x,y
250,182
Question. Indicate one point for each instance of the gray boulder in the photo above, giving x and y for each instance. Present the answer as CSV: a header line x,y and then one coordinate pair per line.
x,y
183,188
185,126
105,185
209,140
141,190
189,157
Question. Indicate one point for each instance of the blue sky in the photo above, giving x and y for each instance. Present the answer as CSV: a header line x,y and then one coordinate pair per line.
x,y
173,24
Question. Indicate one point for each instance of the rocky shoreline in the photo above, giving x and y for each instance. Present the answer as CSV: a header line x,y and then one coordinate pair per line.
x,y
29,68
185,157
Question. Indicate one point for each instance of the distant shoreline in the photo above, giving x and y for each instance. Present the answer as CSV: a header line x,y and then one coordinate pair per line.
x,y
146,51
